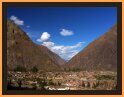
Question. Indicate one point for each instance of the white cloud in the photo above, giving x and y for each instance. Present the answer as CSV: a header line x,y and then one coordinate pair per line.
x,y
16,20
65,32
48,44
44,37
66,52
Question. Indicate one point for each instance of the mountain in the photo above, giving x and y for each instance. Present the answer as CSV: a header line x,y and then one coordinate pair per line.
x,y
57,59
101,54
21,51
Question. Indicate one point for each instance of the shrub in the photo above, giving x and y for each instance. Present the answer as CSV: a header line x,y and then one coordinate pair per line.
x,y
67,69
105,77
76,69
20,68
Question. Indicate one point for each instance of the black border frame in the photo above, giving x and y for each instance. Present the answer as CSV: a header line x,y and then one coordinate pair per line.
x,y
62,4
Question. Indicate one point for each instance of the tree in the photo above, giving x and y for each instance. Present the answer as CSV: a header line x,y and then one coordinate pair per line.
x,y
20,68
9,84
59,83
42,83
19,83
34,86
83,84
51,83
34,69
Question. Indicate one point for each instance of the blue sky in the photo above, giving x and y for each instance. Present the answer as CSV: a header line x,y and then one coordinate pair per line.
x,y
64,30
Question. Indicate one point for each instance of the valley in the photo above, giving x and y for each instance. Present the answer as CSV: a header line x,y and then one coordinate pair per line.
x,y
78,80
36,67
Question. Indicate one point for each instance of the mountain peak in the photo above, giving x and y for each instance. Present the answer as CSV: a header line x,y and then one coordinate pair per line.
x,y
101,54
21,51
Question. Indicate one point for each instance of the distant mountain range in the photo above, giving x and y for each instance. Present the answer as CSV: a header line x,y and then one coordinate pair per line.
x,y
101,54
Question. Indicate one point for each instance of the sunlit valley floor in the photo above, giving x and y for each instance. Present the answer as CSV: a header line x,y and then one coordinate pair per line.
x,y
70,80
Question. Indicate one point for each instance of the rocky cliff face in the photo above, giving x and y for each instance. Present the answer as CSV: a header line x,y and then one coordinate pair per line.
x,y
101,54
21,51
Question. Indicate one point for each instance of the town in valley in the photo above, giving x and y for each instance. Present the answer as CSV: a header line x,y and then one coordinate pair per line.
x,y
81,80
